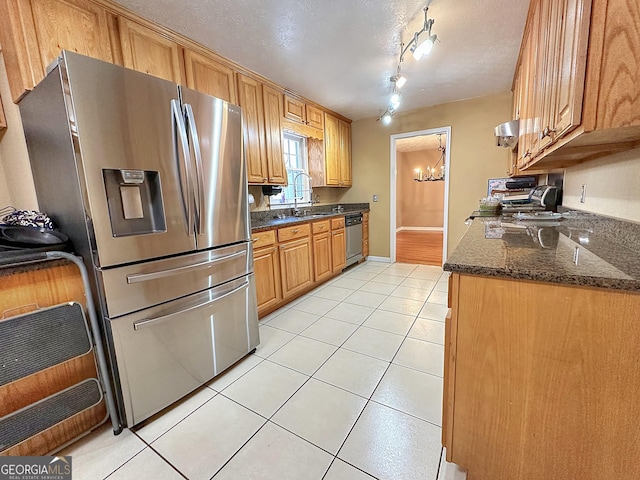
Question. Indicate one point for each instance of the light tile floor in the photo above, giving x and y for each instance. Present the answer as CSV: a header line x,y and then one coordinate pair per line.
x,y
345,385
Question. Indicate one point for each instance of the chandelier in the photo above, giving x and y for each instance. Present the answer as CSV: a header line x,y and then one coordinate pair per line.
x,y
430,174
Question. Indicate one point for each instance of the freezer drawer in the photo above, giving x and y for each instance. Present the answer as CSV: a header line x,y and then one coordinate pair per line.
x,y
165,352
135,287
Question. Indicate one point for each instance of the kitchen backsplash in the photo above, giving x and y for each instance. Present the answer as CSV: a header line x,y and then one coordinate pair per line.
x,y
612,186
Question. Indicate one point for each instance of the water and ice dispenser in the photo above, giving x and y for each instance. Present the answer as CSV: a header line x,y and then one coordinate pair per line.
x,y
135,202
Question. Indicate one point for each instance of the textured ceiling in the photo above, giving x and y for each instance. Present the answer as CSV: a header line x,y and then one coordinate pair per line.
x,y
341,53
419,142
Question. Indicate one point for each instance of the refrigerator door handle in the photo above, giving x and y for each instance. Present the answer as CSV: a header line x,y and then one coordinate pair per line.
x,y
163,318
180,131
195,141
145,277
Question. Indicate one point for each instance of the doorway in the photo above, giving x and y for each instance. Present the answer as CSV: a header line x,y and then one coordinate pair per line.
x,y
420,163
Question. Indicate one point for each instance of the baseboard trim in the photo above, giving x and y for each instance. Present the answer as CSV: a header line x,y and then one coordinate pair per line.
x,y
420,229
379,259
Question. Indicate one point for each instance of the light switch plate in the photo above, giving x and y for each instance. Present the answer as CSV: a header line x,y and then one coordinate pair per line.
x,y
375,198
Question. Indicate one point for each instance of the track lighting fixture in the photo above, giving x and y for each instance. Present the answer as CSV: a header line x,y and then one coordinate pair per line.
x,y
394,101
398,80
419,49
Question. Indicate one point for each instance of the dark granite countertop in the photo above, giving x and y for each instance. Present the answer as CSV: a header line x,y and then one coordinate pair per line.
x,y
579,249
267,219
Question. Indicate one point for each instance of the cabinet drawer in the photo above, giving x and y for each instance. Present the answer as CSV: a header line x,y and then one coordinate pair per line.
x,y
337,223
320,227
262,239
297,231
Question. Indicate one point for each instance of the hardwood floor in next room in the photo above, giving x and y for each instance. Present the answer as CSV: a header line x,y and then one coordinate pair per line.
x,y
419,247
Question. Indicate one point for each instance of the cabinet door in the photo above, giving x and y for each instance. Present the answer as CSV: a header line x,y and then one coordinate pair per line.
x,y
266,268
315,117
294,109
338,250
571,51
149,52
295,266
322,264
76,25
32,35
250,99
365,234
208,76
345,153
276,171
331,150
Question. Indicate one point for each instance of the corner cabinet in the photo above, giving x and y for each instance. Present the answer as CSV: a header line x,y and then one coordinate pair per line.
x,y
261,113
577,82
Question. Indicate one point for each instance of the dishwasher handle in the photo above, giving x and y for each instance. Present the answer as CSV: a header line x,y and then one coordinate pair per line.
x,y
163,318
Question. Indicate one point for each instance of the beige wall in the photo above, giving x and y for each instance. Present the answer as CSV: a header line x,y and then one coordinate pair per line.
x,y
418,204
474,159
613,186
16,182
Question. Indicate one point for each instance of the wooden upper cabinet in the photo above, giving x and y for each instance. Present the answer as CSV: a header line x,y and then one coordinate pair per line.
x,y
299,111
571,18
276,170
331,150
3,119
32,35
345,153
149,52
579,86
208,76
295,109
337,150
250,99
76,25
315,117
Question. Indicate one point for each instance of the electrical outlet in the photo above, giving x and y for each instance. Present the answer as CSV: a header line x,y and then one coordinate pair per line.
x,y
583,193
375,198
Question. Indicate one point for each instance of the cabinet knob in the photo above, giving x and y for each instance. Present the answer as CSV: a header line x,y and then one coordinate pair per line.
x,y
547,132
294,231
265,180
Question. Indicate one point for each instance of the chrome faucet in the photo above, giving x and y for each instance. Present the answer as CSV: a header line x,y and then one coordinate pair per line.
x,y
296,210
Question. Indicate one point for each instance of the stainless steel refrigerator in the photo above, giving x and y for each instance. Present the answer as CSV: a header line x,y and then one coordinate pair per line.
x,y
147,179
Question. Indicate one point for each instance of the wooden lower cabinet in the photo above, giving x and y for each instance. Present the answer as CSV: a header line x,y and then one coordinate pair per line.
x,y
266,268
290,261
322,265
365,235
541,380
339,250
295,266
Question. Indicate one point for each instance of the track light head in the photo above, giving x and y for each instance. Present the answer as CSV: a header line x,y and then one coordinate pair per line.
x,y
399,80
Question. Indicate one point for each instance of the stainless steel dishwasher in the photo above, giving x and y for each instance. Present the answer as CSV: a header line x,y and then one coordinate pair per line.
x,y
353,223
